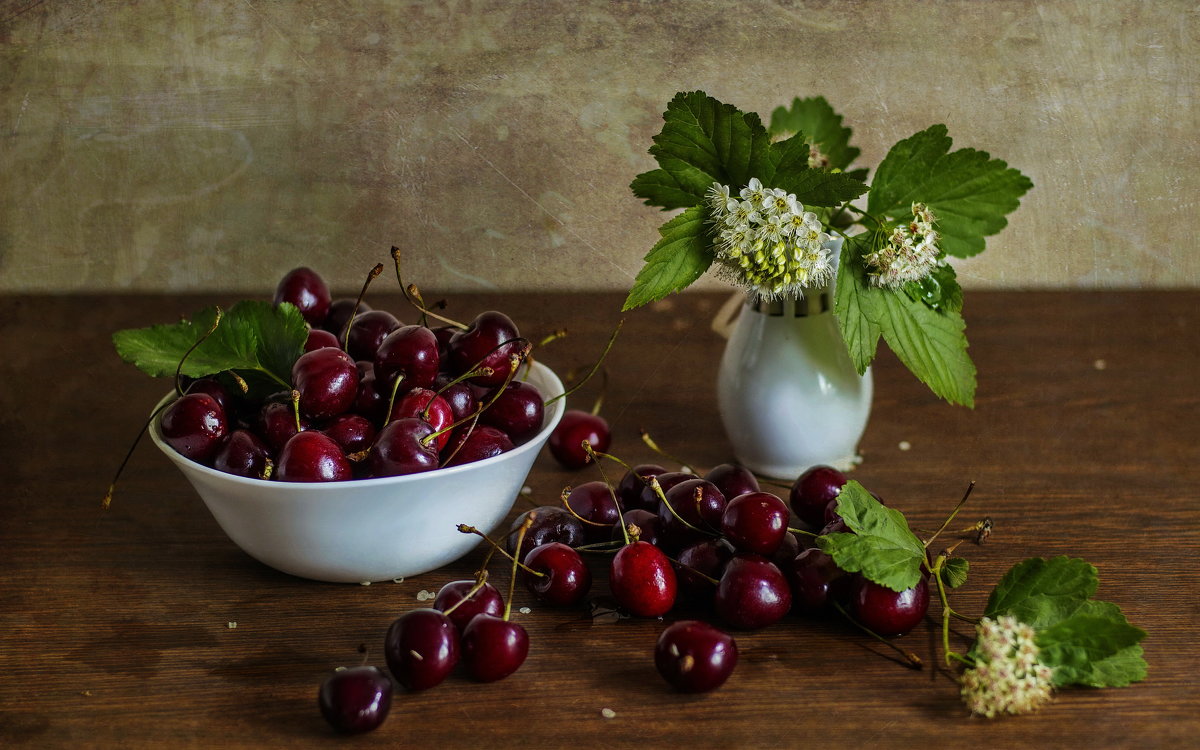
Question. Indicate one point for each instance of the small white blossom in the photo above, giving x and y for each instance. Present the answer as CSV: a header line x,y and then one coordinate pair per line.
x,y
1007,678
910,254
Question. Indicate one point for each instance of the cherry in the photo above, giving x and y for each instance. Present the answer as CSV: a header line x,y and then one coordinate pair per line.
x,y
648,498
695,657
368,331
327,380
195,426
688,510
575,427
480,443
752,593
642,580
493,648
593,502
355,700
276,423
425,404
459,396
649,527
550,524
836,526
339,314
421,648
485,343
887,612
485,599
369,402
518,411
409,352
815,580
700,562
306,290
353,432
319,338
755,522
402,447
733,479
214,388
312,456
813,490
565,578
630,488
243,454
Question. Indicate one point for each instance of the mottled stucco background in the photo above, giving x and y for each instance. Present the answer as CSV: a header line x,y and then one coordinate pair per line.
x,y
212,146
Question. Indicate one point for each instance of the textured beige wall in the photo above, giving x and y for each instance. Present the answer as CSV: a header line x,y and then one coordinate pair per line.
x,y
158,145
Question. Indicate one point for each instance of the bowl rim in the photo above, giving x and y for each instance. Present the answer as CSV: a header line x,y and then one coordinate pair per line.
x,y
554,415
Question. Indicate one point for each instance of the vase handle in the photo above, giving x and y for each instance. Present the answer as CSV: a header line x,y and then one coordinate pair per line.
x,y
726,317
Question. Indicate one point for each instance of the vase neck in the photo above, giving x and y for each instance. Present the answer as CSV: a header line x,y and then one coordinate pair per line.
x,y
816,302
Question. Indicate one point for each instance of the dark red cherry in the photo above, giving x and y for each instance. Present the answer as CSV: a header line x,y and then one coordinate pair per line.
x,y
836,526
485,599
888,613
551,523
649,499
698,564
423,403
517,411
369,402
812,491
642,580
368,331
460,397
691,512
306,290
353,432
319,338
355,700
752,593
493,648
409,352
276,423
649,528
788,549
565,578
815,580
339,314
732,479
491,340
195,426
567,438
421,648
403,447
593,502
755,522
695,657
312,456
327,380
482,442
214,388
244,454
630,488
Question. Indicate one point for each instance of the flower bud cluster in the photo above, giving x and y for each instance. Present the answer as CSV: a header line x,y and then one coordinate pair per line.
x,y
767,242
1007,677
910,254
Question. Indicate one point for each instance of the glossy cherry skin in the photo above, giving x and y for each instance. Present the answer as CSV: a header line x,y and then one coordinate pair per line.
x,y
369,402
421,648
493,648
593,502
319,338
460,397
491,340
306,290
486,599
517,411
816,581
888,613
409,352
649,528
550,524
642,580
565,578
312,456
214,388
697,564
423,403
339,314
752,593
244,454
630,488
690,509
649,499
732,479
812,491
355,433
195,426
355,700
276,424
403,447
482,442
327,379
575,427
695,657
367,332
755,522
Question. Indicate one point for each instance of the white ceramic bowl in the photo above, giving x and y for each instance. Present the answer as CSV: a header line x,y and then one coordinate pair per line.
x,y
370,529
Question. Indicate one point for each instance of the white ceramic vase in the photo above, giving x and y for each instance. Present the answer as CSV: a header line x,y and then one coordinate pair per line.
x,y
788,394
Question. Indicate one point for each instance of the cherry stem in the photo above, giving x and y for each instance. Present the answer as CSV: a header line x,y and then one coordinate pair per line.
x,y
464,528
108,496
649,441
705,576
514,362
179,368
596,366
654,485
371,276
414,302
480,582
561,333
392,397
603,390
296,409
512,579
913,661
612,546
239,380
587,448
805,532
563,498
953,513
473,419
456,381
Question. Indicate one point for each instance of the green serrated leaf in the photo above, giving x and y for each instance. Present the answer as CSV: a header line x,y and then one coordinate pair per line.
x,y
932,344
1079,648
1041,592
882,546
969,192
660,188
822,126
680,257
253,336
1122,668
812,187
954,571
857,305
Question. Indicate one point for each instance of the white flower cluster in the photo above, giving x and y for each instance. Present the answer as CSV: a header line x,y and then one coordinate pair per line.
x,y
767,242
910,254
1007,677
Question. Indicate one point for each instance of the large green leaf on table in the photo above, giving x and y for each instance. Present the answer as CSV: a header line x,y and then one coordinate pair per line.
x,y
1041,592
812,187
681,256
253,336
932,344
820,125
969,192
704,141
882,546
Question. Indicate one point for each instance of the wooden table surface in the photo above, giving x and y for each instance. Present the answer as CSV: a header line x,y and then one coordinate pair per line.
x,y
114,626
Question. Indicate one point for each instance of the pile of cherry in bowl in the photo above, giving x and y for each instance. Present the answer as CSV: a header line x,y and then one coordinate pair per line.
x,y
370,397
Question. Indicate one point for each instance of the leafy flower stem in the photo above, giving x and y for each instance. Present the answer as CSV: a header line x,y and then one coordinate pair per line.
x,y
947,611
953,513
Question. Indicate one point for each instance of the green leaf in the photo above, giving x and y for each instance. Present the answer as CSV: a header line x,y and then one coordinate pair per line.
x,y
660,188
969,192
705,141
954,571
676,260
821,125
1093,646
812,187
1122,668
1041,592
932,344
253,336
939,290
857,305
882,546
